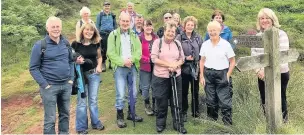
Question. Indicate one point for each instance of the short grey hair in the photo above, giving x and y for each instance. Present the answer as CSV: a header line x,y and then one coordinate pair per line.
x,y
85,9
215,24
130,4
52,18
124,14
268,12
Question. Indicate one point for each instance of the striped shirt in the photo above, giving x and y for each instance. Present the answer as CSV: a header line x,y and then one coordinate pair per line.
x,y
284,45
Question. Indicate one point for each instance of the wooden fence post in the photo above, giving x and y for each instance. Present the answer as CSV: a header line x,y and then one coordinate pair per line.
x,y
273,80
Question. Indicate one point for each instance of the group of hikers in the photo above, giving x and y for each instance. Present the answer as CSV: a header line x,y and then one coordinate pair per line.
x,y
167,64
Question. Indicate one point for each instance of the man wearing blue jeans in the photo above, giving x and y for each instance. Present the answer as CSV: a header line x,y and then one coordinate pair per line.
x,y
52,68
124,50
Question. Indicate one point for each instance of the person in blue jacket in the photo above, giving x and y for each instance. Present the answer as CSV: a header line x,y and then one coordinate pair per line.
x,y
226,33
51,66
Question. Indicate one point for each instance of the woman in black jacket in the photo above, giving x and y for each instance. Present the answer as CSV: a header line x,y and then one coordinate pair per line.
x,y
191,43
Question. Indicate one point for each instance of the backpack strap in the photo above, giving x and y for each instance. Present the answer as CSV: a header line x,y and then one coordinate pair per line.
x,y
43,48
179,48
80,21
160,45
100,17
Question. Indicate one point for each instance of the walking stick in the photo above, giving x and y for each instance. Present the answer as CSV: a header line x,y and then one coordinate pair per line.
x,y
132,99
194,78
175,100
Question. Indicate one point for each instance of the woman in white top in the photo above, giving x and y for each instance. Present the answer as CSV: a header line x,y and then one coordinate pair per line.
x,y
267,19
216,66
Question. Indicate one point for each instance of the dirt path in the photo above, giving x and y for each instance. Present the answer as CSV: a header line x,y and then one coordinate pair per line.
x,y
15,114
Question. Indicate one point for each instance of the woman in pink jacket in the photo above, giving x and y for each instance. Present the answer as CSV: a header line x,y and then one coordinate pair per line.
x,y
147,38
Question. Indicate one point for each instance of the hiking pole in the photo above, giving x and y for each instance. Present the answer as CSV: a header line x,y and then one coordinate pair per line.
x,y
132,99
175,99
194,77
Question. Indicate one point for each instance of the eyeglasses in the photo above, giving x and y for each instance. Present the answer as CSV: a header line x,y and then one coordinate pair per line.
x,y
167,17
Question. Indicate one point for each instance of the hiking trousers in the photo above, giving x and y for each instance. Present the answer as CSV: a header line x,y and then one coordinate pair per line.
x,y
218,94
162,91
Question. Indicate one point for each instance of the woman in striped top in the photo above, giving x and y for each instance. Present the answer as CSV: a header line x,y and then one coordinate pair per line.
x,y
267,19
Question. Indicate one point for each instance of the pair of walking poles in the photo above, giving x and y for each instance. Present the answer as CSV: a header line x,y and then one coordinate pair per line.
x,y
194,74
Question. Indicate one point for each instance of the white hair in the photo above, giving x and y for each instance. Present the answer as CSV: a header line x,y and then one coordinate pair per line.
x,y
130,4
215,24
52,18
85,10
124,14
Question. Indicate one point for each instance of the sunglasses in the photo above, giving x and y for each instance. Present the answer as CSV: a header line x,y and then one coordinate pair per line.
x,y
167,17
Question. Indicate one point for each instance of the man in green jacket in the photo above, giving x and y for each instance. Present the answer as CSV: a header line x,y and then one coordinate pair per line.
x,y
124,51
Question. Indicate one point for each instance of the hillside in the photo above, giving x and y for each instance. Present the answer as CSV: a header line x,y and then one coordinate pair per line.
x,y
23,23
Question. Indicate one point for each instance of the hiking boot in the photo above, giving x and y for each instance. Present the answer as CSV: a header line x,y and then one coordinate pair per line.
x,y
99,128
160,129
120,119
180,129
104,67
137,118
148,110
84,132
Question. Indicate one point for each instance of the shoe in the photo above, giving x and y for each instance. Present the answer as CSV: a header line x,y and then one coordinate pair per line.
x,y
285,118
160,129
148,110
137,118
103,67
120,119
182,129
99,128
82,132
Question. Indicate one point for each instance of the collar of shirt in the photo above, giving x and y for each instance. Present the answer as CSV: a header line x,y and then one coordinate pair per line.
x,y
51,41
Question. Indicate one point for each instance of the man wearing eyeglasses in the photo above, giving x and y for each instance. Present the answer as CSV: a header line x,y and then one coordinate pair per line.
x,y
167,17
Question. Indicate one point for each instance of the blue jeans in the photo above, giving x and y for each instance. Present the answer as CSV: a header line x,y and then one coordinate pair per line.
x,y
121,75
91,90
145,83
56,95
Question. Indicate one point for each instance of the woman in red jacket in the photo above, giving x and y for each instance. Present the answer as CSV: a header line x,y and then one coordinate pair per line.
x,y
147,38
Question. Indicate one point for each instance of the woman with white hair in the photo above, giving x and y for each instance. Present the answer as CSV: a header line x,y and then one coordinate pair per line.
x,y
216,66
267,19
85,14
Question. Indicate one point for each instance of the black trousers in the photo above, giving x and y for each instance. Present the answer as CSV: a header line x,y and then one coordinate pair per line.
x,y
104,46
284,82
186,79
218,94
162,91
